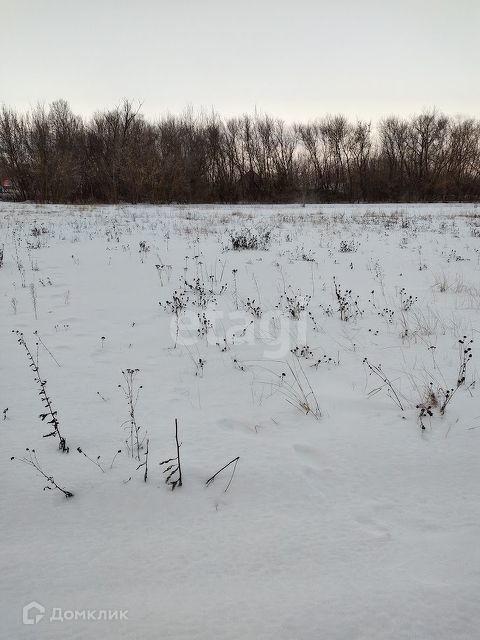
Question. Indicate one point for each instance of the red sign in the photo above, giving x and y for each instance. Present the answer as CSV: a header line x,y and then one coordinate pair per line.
x,y
6,183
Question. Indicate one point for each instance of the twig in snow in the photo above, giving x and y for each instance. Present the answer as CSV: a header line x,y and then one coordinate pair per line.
x,y
176,467
234,462
91,459
47,349
145,464
114,458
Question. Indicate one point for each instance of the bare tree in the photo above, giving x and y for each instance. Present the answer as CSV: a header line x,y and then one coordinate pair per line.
x,y
51,154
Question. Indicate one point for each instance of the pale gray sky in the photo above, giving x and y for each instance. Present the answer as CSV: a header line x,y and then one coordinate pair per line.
x,y
297,60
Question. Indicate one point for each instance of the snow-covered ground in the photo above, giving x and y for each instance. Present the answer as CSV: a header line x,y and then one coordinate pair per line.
x,y
351,513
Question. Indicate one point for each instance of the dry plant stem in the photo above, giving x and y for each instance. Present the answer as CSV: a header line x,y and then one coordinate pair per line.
x,y
465,353
32,461
114,458
33,364
47,349
33,294
235,289
178,454
448,396
96,462
145,464
132,398
306,403
145,475
299,394
212,478
378,372
176,467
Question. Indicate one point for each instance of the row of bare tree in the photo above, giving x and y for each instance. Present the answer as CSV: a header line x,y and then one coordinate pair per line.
x,y
52,155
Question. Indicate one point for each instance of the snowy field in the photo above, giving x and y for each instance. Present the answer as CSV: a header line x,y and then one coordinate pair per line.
x,y
331,362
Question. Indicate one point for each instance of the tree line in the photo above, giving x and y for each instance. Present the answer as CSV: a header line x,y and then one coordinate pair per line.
x,y
52,155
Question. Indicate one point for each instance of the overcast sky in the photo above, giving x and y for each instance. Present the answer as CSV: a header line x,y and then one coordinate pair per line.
x,y
296,60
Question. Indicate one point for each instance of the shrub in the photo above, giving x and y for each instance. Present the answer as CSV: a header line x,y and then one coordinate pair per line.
x,y
244,239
